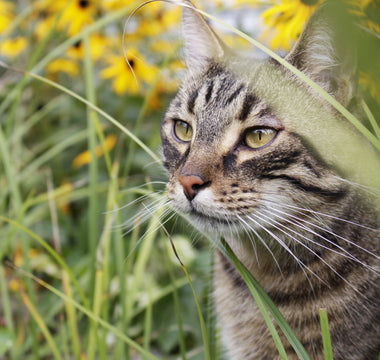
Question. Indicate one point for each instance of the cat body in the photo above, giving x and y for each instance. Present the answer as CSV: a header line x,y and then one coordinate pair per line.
x,y
237,142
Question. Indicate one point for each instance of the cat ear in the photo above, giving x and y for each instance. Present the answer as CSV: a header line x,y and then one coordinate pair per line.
x,y
324,53
201,42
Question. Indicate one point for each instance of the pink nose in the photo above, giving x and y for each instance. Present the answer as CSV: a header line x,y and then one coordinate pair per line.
x,y
192,184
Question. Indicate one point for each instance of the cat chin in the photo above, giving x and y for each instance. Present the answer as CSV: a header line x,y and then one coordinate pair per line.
x,y
212,225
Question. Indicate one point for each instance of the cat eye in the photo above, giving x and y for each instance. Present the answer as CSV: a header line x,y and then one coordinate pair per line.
x,y
183,131
258,137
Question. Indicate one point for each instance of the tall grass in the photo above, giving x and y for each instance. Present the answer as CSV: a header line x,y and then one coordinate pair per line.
x,y
82,276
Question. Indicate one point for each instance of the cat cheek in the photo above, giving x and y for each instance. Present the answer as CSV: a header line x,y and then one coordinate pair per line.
x,y
178,198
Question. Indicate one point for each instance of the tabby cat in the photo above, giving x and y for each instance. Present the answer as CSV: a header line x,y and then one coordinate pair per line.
x,y
238,142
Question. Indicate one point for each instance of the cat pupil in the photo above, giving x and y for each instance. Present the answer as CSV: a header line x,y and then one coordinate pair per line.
x,y
260,134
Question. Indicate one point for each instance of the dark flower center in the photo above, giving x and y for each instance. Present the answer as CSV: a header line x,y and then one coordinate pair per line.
x,y
77,44
131,64
84,3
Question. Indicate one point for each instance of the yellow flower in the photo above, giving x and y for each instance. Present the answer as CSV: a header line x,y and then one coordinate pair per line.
x,y
285,20
67,66
16,285
82,159
13,47
97,46
85,157
77,15
165,85
158,19
6,14
43,26
109,5
163,46
126,76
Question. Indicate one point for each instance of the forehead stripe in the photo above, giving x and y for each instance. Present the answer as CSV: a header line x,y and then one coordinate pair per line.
x,y
209,91
235,94
249,101
191,101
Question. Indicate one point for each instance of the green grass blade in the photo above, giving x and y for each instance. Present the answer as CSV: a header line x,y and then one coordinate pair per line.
x,y
5,301
50,154
52,253
118,333
148,319
257,291
206,343
177,308
142,260
259,301
42,325
326,338
98,294
371,119
93,210
9,171
98,110
72,318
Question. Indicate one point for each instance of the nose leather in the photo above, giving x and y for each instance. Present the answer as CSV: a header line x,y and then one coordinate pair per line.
x,y
192,184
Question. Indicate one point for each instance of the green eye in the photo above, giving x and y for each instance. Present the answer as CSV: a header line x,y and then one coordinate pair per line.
x,y
257,138
183,131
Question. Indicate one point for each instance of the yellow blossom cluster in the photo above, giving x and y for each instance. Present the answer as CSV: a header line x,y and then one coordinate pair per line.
x,y
58,20
146,35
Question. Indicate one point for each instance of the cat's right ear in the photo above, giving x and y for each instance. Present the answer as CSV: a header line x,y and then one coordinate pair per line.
x,y
325,51
201,42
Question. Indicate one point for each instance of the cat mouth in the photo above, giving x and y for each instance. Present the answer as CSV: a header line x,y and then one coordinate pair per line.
x,y
208,219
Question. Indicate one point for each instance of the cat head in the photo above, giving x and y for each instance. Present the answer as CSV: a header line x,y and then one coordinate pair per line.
x,y
242,136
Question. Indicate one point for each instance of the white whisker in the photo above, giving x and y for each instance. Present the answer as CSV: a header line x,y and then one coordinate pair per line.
x,y
323,215
344,252
146,214
284,246
325,230
307,248
263,242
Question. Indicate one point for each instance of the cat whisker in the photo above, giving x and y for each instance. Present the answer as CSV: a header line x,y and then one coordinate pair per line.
x,y
154,162
310,250
284,246
146,214
324,229
249,229
369,190
314,212
344,252
131,203
162,219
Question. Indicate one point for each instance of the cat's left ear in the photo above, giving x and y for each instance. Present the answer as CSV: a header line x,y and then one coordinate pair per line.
x,y
324,52
201,42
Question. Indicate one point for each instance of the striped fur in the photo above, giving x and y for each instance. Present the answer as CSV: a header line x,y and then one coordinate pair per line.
x,y
307,235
